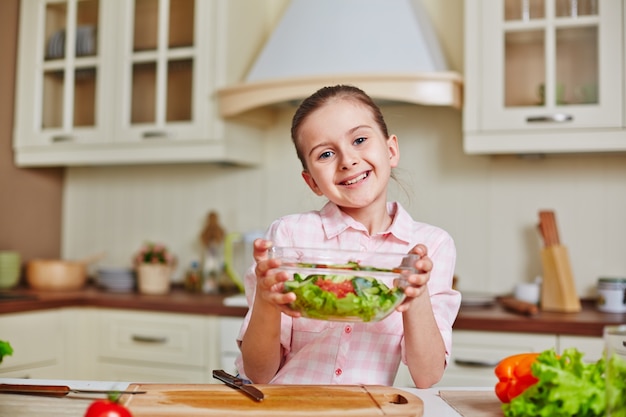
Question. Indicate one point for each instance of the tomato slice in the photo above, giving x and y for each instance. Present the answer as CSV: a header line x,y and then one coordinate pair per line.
x,y
340,289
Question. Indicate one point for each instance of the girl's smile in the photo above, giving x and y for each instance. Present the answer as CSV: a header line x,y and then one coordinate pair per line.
x,y
356,179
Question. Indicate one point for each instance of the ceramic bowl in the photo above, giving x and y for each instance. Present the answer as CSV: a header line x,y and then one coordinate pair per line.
x,y
55,275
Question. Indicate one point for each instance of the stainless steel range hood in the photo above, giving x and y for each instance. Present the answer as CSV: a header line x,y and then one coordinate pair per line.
x,y
386,47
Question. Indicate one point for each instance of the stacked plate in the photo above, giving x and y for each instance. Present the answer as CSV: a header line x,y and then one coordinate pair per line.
x,y
85,42
116,279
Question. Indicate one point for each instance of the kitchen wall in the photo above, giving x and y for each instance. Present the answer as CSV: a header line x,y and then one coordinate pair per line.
x,y
489,204
30,199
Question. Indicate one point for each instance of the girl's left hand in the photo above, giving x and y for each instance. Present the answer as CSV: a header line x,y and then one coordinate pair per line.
x,y
417,282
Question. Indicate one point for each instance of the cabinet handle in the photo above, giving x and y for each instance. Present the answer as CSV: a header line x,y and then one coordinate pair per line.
x,y
476,363
553,118
62,138
155,134
149,339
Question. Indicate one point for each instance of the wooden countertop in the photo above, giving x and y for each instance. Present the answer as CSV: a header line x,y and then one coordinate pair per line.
x,y
177,301
75,405
588,322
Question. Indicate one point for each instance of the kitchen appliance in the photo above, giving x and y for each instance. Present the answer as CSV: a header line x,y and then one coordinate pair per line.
x,y
196,400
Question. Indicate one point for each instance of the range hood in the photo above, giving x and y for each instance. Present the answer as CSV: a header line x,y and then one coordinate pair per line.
x,y
386,47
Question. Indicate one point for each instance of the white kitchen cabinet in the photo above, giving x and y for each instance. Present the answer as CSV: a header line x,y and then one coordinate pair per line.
x,y
475,354
38,341
139,85
592,347
544,76
62,92
156,347
229,350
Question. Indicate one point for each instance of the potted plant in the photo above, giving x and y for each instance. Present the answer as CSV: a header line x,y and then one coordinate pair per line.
x,y
154,264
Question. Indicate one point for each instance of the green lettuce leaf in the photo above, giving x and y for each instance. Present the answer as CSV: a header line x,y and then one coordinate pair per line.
x,y
372,297
567,386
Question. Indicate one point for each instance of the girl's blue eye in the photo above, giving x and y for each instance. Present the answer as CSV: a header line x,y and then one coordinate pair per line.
x,y
326,154
359,140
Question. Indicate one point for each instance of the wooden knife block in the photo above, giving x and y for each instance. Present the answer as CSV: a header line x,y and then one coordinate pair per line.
x,y
558,291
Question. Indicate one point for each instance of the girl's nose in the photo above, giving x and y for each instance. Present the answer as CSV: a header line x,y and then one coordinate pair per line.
x,y
348,160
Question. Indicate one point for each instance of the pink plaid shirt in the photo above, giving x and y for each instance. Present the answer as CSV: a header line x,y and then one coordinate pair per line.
x,y
326,352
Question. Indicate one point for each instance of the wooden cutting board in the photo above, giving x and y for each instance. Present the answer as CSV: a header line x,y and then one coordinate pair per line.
x,y
191,400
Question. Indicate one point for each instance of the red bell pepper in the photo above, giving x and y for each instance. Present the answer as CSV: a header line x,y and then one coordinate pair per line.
x,y
514,375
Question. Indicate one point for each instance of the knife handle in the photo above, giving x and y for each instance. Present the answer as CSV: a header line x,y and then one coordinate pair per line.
x,y
45,390
227,378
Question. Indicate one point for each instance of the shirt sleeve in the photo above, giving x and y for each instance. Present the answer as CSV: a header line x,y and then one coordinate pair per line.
x,y
278,235
444,299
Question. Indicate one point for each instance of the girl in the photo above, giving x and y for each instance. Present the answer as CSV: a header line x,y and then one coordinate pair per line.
x,y
347,156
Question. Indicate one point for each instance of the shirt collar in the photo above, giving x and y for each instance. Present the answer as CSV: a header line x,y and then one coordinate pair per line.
x,y
335,221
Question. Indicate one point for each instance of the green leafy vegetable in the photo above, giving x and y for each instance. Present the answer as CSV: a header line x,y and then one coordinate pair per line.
x,y
567,386
616,390
367,299
5,349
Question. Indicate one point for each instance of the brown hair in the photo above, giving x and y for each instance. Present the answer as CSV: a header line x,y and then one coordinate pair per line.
x,y
322,97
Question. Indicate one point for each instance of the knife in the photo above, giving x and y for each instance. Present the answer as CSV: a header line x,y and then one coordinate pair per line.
x,y
56,390
237,383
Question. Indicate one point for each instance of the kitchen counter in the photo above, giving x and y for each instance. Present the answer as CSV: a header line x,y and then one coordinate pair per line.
x,y
588,322
75,405
177,301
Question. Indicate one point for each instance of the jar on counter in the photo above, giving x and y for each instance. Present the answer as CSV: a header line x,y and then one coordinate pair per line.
x,y
193,278
612,295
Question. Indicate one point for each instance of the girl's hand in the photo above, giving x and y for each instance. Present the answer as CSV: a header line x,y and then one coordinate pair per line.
x,y
269,284
417,282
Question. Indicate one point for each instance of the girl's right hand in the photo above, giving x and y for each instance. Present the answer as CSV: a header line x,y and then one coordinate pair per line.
x,y
269,284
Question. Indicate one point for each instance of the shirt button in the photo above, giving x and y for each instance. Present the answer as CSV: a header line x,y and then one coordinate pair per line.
x,y
338,371
348,329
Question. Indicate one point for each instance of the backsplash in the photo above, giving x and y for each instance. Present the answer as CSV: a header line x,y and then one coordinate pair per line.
x,y
489,205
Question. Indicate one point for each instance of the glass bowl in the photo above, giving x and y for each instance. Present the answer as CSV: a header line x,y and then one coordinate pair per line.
x,y
343,285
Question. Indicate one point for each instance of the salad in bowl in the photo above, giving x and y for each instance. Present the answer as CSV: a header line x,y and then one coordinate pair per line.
x,y
343,285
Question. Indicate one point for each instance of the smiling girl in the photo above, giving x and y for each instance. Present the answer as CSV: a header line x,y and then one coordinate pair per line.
x,y
347,155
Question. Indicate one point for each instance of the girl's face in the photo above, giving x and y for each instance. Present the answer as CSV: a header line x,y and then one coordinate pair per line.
x,y
348,159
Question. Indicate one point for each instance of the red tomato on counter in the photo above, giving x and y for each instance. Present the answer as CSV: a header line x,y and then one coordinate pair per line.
x,y
107,408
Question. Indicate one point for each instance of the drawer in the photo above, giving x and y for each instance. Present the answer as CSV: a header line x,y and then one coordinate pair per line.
x,y
476,354
155,374
592,347
36,337
163,338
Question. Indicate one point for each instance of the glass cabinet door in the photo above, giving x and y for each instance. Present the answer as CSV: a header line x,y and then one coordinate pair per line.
x,y
161,67
547,64
70,69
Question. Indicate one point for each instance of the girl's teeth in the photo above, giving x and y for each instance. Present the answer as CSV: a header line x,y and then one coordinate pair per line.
x,y
357,179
